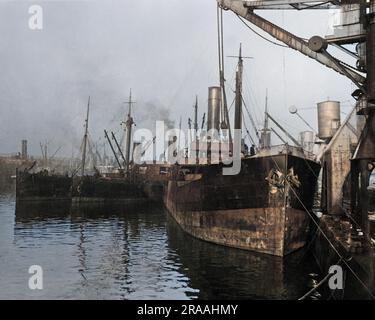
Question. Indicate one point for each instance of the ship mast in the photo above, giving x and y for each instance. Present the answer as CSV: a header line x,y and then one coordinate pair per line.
x,y
266,113
238,117
225,124
179,133
238,103
128,127
85,139
196,114
265,134
196,129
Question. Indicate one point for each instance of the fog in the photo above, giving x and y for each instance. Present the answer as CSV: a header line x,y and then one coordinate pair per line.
x,y
165,51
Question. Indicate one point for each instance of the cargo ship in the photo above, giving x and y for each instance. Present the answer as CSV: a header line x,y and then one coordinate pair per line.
x,y
128,182
110,185
264,208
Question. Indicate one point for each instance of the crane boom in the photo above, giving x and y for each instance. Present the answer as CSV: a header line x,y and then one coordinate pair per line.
x,y
241,8
113,149
292,4
283,130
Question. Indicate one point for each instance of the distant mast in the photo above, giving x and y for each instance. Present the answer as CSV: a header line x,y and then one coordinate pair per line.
x,y
196,130
265,135
266,112
85,137
129,125
196,114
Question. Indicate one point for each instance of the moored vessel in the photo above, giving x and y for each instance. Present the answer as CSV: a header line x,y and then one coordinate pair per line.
x,y
265,207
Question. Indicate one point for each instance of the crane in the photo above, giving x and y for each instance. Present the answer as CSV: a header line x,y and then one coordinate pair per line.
x,y
315,48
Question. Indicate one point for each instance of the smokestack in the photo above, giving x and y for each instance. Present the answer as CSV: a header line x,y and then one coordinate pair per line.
x,y
24,150
214,103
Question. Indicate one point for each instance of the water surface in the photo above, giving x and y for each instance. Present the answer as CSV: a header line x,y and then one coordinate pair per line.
x,y
132,253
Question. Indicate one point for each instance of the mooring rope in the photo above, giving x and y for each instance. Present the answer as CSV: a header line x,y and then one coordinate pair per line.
x,y
307,294
325,236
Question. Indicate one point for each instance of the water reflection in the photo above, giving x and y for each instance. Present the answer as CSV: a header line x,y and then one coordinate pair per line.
x,y
119,252
116,251
227,273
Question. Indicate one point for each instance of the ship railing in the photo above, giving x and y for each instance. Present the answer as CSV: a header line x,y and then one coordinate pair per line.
x,y
10,155
287,149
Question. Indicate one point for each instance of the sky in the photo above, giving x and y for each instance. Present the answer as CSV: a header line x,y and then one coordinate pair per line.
x,y
165,51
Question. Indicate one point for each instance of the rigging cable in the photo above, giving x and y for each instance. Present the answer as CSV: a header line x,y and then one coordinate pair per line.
x,y
263,37
231,105
306,295
220,35
251,118
219,40
252,98
284,67
247,131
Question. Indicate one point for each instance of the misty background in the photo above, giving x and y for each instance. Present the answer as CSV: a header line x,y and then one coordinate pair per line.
x,y
165,51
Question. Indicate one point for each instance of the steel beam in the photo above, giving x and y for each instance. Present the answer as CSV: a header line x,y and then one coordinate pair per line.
x,y
291,4
292,41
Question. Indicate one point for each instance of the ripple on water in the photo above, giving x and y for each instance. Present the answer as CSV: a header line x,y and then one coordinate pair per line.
x,y
132,255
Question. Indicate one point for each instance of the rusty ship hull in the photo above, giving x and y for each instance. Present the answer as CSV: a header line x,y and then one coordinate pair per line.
x,y
43,186
99,189
254,210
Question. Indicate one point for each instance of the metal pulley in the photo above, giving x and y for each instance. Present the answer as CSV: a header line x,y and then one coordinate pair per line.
x,y
317,44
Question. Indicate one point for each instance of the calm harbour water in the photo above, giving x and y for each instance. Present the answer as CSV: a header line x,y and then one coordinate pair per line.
x,y
122,253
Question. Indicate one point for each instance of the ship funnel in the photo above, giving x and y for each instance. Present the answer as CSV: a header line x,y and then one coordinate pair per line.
x,y
214,103
24,155
328,119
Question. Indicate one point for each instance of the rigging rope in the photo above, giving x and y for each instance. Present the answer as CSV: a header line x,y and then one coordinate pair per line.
x,y
252,97
220,33
257,33
219,39
251,118
306,295
247,131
